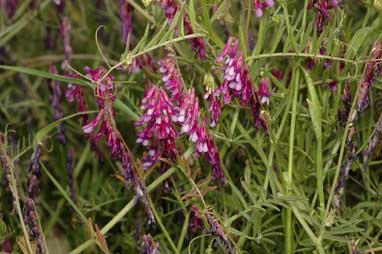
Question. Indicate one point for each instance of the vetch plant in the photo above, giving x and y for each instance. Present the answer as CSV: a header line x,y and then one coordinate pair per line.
x,y
190,126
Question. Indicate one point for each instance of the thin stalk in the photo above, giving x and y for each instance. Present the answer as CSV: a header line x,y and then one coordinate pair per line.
x,y
64,193
118,217
289,233
163,228
13,188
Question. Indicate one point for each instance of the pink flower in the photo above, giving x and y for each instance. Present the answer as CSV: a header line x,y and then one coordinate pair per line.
x,y
215,105
237,82
260,6
205,145
263,92
158,123
189,114
171,77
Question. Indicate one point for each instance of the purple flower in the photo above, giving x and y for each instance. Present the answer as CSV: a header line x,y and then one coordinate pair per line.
x,y
32,225
205,144
10,7
215,105
188,115
29,209
277,73
332,86
322,7
126,16
76,92
149,246
70,171
158,123
260,6
367,153
6,246
34,173
114,141
55,99
369,77
197,43
171,77
263,92
237,82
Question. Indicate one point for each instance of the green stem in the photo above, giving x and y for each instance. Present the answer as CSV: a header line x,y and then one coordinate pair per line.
x,y
289,233
163,228
306,55
64,193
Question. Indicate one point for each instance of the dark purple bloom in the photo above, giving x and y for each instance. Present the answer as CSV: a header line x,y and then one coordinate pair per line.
x,y
277,73
332,86
368,78
9,6
55,100
346,100
217,231
34,173
65,34
126,16
6,246
260,6
149,246
31,222
197,44
29,209
70,171
372,143
345,168
142,194
322,7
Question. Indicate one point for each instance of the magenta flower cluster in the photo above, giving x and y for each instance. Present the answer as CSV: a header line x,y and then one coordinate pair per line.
x,y
323,7
107,128
237,82
166,118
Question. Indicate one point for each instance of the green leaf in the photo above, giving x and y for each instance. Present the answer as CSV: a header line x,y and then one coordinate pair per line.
x,y
44,132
